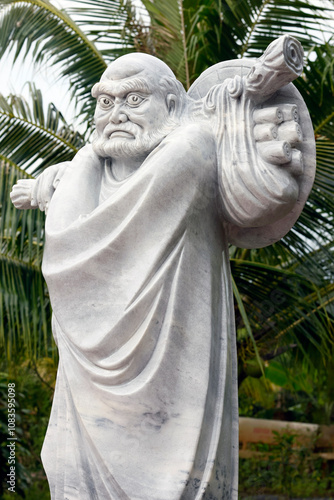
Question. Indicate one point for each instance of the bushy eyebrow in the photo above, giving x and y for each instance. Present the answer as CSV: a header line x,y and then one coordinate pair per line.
x,y
112,88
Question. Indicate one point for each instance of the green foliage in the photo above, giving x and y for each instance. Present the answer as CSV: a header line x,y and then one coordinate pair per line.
x,y
290,391
287,469
285,311
31,139
41,139
37,28
193,35
284,293
24,301
34,385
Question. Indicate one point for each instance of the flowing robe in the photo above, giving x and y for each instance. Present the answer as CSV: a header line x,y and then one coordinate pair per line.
x,y
145,406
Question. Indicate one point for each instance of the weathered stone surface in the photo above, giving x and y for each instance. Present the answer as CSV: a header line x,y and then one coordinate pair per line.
x,y
136,261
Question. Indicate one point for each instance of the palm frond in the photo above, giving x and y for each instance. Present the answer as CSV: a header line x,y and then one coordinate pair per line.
x,y
325,166
24,302
205,32
115,27
37,28
167,31
33,138
317,89
274,298
223,30
271,19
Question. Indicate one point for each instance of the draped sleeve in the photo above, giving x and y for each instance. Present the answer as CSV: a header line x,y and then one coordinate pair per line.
x,y
263,182
252,192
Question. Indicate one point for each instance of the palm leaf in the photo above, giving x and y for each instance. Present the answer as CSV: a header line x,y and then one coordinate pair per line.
x,y
317,89
33,139
269,20
167,31
274,298
113,26
24,302
223,30
189,36
193,35
37,28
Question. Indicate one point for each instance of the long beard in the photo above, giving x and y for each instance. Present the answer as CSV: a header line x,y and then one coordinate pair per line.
x,y
125,148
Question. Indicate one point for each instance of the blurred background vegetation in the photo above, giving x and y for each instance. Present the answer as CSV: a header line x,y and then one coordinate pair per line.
x,y
284,293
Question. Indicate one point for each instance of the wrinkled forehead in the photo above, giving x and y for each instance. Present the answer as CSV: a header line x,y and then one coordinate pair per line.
x,y
122,76
121,86
133,72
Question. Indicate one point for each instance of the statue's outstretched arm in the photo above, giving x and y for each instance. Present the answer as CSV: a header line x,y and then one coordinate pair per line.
x,y
37,193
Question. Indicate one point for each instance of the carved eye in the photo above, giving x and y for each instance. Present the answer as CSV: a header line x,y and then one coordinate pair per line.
x,y
105,102
134,100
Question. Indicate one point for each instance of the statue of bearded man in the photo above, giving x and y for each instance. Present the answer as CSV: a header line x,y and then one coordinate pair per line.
x,y
136,262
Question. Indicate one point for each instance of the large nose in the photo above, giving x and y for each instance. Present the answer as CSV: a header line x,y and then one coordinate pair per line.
x,y
118,114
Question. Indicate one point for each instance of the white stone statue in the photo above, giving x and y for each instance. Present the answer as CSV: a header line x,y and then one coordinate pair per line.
x,y
136,261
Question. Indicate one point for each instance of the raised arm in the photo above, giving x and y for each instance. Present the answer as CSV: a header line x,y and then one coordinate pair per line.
x,y
258,159
266,154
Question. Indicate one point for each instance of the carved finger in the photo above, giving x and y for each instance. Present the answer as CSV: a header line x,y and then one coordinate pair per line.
x,y
272,114
290,112
290,131
43,203
265,132
275,152
297,163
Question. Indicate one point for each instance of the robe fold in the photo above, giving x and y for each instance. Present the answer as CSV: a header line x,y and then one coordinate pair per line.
x,y
145,406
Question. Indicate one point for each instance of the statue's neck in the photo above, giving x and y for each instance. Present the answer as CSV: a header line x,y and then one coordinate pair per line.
x,y
124,167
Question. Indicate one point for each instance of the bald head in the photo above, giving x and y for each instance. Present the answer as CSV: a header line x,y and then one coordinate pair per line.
x,y
139,102
137,64
146,71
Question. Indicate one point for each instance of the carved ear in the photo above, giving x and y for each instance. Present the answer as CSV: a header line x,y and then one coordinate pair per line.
x,y
171,101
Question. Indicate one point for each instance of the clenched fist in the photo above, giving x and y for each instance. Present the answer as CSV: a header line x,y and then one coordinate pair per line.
x,y
37,193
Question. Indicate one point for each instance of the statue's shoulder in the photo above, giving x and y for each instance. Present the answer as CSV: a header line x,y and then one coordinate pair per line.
x,y
194,136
